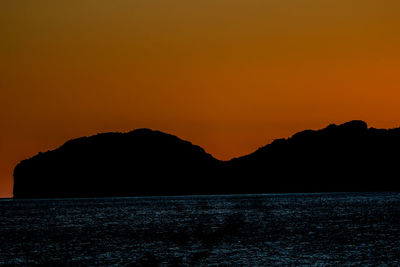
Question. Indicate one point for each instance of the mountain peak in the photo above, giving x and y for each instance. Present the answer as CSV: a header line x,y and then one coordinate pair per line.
x,y
355,124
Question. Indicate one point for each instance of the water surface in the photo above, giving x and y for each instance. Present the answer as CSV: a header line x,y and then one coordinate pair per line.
x,y
255,230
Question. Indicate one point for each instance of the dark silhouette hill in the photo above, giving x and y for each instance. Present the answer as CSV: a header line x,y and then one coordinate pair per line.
x,y
141,162
347,157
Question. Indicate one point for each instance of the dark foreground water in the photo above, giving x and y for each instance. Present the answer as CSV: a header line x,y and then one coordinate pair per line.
x,y
292,229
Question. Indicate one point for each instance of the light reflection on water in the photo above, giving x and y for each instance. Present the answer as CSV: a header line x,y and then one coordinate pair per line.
x,y
291,229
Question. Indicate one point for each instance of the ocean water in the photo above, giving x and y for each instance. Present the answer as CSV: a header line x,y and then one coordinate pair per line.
x,y
361,229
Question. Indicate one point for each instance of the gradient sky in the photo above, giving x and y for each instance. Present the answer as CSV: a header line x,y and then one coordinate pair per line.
x,y
227,75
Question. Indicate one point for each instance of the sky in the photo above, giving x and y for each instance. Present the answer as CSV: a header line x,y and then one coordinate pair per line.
x,y
228,75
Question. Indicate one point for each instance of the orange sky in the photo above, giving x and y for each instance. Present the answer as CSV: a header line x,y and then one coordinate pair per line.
x,y
228,75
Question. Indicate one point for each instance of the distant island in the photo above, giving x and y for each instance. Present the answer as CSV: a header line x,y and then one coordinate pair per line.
x,y
347,157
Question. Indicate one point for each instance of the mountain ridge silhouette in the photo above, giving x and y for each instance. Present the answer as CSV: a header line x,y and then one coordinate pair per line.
x,y
345,157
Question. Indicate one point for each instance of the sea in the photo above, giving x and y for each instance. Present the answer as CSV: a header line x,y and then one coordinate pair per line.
x,y
322,229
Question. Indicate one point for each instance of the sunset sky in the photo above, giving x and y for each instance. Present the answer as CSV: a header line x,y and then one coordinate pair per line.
x,y
228,75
